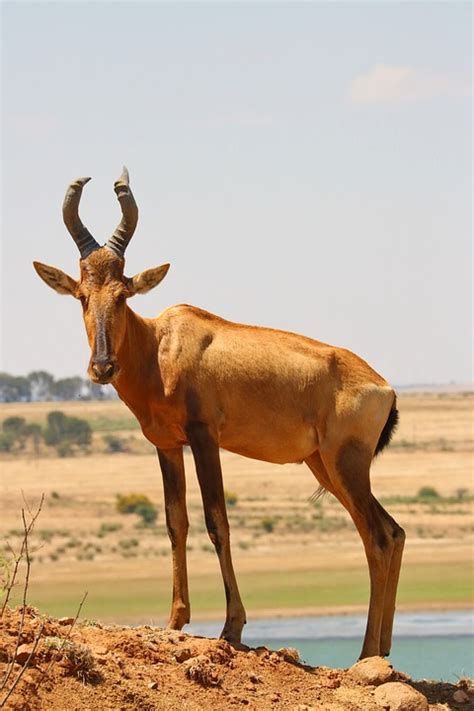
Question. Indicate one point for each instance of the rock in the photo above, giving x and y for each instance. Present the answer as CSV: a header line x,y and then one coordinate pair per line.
x,y
255,679
460,697
201,670
153,685
181,655
371,671
400,697
66,620
23,652
99,650
289,654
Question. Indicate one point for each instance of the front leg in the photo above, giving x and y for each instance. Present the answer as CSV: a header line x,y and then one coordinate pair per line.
x,y
208,467
174,485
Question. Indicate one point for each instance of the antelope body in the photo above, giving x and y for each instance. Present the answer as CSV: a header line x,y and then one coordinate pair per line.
x,y
192,378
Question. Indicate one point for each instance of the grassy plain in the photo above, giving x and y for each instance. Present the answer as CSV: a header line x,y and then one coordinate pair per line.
x,y
291,556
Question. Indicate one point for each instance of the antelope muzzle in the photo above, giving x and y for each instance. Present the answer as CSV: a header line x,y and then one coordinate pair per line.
x,y
102,371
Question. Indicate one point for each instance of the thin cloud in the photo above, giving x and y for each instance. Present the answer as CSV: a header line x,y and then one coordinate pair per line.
x,y
393,84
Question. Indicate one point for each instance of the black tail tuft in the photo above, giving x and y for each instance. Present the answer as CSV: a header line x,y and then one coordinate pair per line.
x,y
388,430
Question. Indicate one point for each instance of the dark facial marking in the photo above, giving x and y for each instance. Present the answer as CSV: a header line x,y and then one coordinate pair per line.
x,y
101,345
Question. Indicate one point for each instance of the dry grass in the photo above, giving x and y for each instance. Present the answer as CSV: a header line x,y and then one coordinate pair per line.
x,y
82,537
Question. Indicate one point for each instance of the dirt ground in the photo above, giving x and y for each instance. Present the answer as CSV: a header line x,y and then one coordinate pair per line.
x,y
107,668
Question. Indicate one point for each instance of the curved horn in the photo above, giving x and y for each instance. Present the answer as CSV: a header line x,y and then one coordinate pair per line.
x,y
124,232
80,234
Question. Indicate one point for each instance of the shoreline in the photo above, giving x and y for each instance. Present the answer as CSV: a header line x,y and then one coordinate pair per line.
x,y
298,612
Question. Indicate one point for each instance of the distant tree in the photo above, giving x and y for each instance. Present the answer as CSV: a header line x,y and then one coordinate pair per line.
x,y
14,388
68,388
41,385
97,392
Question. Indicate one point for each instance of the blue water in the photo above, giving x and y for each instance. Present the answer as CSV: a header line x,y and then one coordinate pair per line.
x,y
425,645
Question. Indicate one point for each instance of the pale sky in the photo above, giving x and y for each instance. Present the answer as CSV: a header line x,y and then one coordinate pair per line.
x,y
304,166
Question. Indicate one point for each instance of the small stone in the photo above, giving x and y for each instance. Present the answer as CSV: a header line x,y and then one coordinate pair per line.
x,y
275,698
460,697
23,652
153,685
181,655
201,670
100,651
255,679
66,620
303,707
289,654
400,697
371,671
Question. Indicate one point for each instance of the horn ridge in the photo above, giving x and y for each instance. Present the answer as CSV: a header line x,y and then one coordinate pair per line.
x,y
80,234
124,232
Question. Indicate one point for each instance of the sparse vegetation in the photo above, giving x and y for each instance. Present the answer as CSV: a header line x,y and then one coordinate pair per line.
x,y
106,528
268,523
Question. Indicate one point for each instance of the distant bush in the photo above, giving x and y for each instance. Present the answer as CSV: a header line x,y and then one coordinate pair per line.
x,y
106,528
231,498
63,433
139,504
114,444
268,523
7,440
428,492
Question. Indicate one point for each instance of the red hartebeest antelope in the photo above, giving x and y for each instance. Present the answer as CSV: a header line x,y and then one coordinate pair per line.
x,y
192,378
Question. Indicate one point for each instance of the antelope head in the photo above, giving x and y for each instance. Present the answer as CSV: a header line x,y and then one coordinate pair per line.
x,y
102,287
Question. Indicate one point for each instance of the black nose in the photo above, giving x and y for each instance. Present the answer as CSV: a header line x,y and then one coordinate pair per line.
x,y
103,371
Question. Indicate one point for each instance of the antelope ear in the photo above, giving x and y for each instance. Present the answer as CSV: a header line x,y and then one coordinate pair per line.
x,y
56,279
147,280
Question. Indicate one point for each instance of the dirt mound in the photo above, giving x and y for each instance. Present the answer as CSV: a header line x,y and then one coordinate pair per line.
x,y
83,666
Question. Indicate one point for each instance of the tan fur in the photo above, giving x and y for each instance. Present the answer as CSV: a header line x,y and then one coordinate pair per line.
x,y
192,378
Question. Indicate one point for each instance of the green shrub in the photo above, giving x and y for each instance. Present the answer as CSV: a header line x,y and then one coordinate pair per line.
x,y
231,498
139,504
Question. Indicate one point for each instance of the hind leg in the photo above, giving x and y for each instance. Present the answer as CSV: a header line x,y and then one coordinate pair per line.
x,y
346,475
398,536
